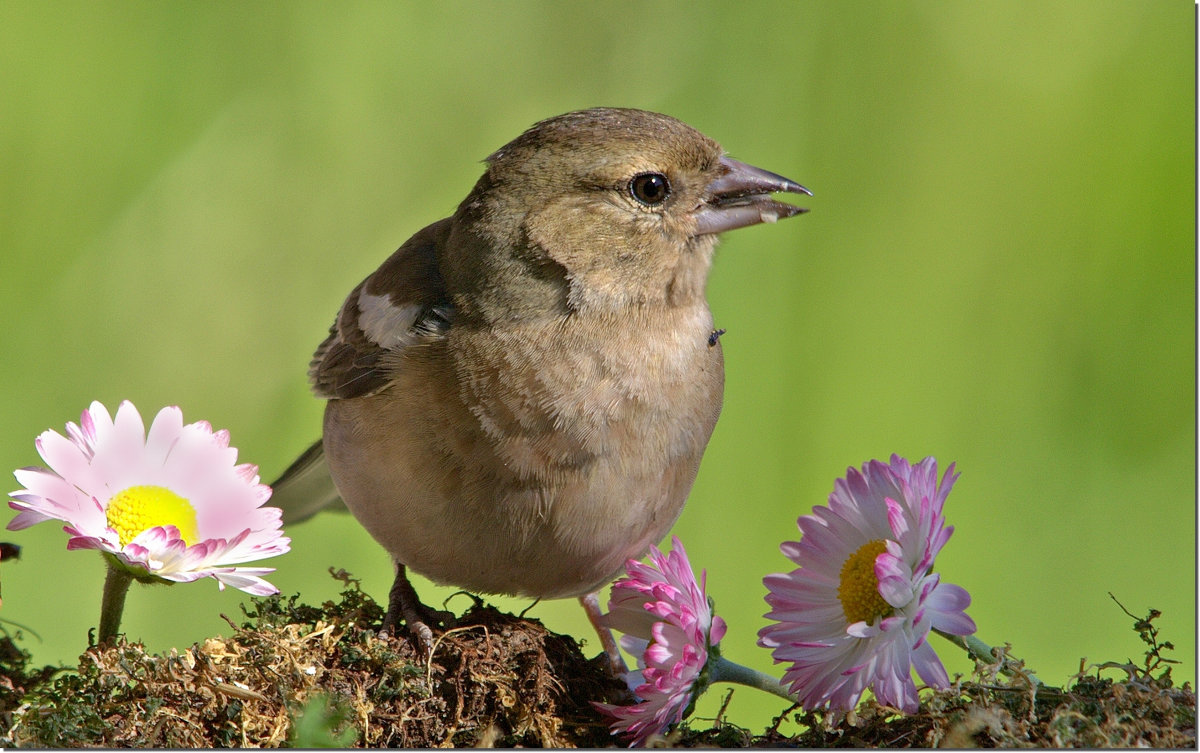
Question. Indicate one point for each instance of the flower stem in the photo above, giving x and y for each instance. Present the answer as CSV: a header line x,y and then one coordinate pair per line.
x,y
723,670
972,645
982,652
112,605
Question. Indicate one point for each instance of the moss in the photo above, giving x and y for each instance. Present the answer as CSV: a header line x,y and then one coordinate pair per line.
x,y
991,710
297,675
493,678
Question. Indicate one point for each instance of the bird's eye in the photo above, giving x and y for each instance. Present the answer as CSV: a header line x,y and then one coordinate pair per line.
x,y
650,189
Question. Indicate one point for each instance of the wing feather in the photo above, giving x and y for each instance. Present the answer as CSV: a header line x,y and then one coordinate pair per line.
x,y
401,304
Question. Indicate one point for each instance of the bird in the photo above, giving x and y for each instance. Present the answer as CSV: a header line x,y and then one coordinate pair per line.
x,y
518,398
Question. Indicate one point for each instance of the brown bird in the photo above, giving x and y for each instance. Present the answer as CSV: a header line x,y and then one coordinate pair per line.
x,y
519,397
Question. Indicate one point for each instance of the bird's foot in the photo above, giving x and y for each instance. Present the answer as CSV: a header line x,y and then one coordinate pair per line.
x,y
616,662
404,605
416,628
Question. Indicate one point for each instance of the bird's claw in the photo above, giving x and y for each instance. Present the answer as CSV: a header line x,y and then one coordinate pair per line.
x,y
403,604
417,629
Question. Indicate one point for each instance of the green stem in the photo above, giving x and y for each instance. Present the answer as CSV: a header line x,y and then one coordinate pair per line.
x,y
982,652
723,670
972,645
112,605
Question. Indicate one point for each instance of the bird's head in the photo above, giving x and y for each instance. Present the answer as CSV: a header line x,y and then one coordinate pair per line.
x,y
621,206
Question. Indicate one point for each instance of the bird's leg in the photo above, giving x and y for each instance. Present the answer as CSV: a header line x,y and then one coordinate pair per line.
x,y
403,603
591,605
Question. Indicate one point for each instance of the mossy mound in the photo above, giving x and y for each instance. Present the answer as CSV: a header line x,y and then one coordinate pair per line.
x,y
303,676
493,679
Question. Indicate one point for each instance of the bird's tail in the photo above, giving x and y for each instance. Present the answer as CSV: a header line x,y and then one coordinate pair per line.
x,y
306,488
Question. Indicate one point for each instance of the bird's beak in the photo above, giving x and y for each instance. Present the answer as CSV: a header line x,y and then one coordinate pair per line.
x,y
742,196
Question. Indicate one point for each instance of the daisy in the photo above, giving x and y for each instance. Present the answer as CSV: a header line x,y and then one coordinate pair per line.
x,y
858,610
172,505
670,626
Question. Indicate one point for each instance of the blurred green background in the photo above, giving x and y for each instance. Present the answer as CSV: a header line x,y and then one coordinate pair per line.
x,y
998,269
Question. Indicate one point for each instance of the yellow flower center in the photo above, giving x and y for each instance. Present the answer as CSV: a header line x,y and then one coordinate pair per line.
x,y
859,588
140,507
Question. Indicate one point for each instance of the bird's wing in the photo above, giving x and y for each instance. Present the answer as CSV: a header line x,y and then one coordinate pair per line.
x,y
402,303
306,488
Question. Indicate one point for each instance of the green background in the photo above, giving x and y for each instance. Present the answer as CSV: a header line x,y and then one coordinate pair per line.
x,y
998,269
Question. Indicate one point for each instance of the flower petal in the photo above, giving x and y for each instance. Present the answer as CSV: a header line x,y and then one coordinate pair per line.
x,y
664,606
831,661
103,456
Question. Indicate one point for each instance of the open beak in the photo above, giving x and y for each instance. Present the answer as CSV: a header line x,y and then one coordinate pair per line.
x,y
742,196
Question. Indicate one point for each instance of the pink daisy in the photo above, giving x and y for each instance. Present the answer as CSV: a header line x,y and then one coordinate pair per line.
x,y
858,610
173,505
670,626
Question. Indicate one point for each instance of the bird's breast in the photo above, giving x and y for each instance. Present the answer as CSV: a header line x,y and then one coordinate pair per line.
x,y
560,394
532,459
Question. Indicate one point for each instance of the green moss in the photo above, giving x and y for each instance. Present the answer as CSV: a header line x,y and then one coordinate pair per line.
x,y
293,674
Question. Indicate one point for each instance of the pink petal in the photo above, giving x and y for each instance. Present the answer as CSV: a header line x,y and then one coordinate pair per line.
x,y
930,667
832,663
